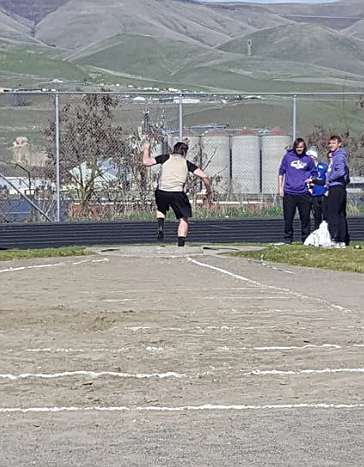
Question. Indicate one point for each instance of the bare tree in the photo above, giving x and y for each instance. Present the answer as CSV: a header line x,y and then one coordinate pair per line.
x,y
98,161
354,146
87,141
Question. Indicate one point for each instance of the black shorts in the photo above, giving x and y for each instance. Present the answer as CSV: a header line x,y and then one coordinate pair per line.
x,y
177,200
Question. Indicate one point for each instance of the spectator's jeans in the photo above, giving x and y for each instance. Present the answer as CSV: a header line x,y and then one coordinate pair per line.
x,y
290,204
336,214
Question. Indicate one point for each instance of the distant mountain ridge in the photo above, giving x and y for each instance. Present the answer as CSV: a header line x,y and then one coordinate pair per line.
x,y
59,22
33,10
112,36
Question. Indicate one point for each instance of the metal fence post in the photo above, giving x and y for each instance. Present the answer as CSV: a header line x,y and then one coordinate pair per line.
x,y
58,198
181,117
294,117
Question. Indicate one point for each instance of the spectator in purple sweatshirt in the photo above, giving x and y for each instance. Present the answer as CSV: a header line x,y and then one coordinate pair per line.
x,y
296,167
337,179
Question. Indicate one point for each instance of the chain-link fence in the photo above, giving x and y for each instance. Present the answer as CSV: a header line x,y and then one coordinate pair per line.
x,y
67,156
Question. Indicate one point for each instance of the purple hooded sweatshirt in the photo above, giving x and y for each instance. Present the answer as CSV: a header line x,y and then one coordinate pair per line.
x,y
338,172
297,169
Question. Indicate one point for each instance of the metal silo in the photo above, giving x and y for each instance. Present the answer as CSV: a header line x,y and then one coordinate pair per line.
x,y
273,149
215,148
245,164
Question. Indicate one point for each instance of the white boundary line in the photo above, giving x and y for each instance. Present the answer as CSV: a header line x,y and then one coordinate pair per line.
x,y
148,348
171,374
92,374
183,408
191,297
39,266
53,265
272,287
303,372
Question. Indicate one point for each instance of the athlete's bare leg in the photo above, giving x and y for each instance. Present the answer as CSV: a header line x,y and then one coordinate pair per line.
x,y
182,230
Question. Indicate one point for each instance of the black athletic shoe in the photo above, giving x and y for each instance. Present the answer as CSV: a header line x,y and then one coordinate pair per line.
x,y
160,236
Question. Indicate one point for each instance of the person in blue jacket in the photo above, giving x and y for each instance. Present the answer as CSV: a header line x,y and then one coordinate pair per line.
x,y
337,180
296,167
318,190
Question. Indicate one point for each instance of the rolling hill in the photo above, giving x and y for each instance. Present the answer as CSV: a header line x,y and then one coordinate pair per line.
x,y
341,8
13,29
33,10
184,65
312,44
185,42
31,64
356,30
87,21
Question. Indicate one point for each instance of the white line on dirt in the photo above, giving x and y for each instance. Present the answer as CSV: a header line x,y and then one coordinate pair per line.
x,y
230,329
53,265
137,291
271,287
236,407
191,297
38,266
102,260
92,374
307,346
303,372
128,349
170,374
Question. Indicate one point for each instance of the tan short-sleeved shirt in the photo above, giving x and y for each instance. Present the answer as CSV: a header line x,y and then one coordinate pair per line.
x,y
174,172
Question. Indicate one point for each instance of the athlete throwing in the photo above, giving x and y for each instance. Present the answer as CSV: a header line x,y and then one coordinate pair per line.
x,y
170,191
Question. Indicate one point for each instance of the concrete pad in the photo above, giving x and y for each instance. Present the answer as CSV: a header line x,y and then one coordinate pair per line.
x,y
169,251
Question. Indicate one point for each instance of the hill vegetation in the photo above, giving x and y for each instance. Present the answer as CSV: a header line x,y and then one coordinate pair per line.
x,y
306,44
184,43
356,30
28,64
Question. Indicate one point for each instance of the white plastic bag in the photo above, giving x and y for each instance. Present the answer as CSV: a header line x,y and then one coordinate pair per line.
x,y
320,237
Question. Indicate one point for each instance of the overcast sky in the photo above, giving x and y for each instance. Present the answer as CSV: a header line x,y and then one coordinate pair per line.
x,y
274,1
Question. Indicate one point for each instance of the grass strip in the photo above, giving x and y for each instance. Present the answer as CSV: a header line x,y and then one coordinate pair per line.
x,y
349,259
8,255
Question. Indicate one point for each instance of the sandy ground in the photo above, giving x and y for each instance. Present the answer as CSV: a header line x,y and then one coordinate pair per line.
x,y
152,356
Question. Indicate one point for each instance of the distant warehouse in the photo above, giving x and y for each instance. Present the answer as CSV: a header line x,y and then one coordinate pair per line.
x,y
186,100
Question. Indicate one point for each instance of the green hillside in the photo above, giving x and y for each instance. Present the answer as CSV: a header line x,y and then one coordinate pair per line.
x,y
308,44
181,44
27,64
157,60
148,61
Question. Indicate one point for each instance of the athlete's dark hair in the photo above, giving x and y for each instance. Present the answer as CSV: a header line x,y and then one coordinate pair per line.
x,y
180,148
299,141
337,138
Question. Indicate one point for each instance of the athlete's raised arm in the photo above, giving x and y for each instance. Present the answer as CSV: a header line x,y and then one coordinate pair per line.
x,y
147,160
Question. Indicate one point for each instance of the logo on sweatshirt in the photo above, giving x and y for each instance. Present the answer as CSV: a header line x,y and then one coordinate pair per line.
x,y
298,164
